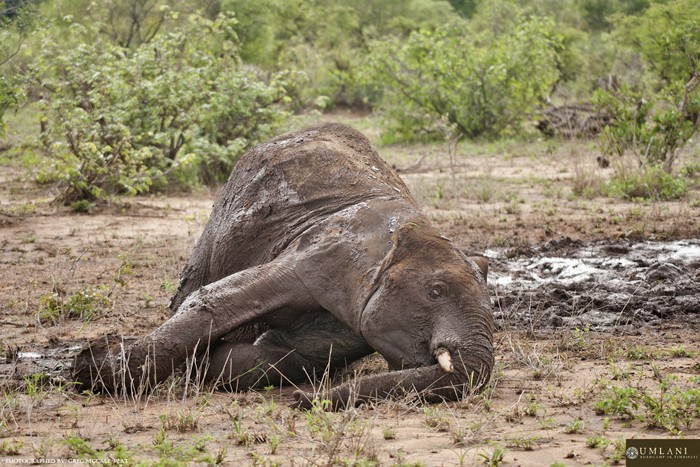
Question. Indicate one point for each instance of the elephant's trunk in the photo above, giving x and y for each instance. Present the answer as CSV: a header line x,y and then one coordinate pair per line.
x,y
469,373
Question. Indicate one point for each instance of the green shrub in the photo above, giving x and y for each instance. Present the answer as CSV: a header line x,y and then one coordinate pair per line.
x,y
85,305
483,83
672,405
655,123
648,183
18,19
181,107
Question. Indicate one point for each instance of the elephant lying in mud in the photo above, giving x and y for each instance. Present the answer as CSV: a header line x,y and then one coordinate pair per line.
x,y
315,255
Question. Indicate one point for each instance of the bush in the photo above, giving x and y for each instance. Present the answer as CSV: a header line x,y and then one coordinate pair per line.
x,y
181,107
18,19
655,124
650,183
481,83
84,305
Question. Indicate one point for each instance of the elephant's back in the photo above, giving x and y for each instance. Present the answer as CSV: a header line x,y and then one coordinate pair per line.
x,y
279,189
322,167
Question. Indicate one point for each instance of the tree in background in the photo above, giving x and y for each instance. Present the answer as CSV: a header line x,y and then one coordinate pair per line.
x,y
328,40
656,122
484,83
180,107
18,19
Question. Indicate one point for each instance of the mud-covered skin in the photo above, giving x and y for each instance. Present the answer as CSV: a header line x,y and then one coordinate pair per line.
x,y
316,254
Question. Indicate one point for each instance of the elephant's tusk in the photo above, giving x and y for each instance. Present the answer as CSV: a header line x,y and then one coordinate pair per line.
x,y
445,360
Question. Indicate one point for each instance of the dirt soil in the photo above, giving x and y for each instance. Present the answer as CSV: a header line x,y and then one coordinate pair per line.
x,y
589,293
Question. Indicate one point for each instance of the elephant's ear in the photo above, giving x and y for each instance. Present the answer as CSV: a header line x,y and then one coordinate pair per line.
x,y
482,262
410,240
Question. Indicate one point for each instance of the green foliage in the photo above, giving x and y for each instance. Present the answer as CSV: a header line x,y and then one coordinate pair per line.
x,y
597,441
10,95
650,183
86,305
574,426
671,405
481,83
18,19
327,39
181,107
655,125
597,13
494,457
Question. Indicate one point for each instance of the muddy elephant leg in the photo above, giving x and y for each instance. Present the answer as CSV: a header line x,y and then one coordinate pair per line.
x,y
205,316
313,343
240,366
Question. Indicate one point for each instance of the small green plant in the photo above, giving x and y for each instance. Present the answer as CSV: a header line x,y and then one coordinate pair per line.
x,y
619,372
546,423
597,441
532,407
494,457
86,305
10,448
181,421
82,206
640,352
579,339
434,418
575,426
678,351
80,448
526,443
623,401
618,453
671,406
388,432
169,285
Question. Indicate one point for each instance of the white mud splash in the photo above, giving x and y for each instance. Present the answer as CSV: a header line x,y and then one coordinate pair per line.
x,y
565,283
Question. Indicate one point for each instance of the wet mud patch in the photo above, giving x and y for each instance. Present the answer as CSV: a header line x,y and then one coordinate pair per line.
x,y
566,283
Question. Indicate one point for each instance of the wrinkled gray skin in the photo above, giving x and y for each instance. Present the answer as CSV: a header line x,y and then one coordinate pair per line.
x,y
315,252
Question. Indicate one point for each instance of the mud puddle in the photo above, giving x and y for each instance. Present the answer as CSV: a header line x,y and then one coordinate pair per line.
x,y
52,363
601,285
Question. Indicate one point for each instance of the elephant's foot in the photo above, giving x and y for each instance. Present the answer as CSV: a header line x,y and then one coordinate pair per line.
x,y
109,364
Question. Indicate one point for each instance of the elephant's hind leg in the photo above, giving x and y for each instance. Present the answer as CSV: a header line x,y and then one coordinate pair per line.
x,y
295,354
241,366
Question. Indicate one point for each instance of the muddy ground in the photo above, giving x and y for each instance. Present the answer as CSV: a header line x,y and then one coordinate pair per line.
x,y
589,293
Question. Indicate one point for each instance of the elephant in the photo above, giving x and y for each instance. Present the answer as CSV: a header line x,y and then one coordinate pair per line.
x,y
314,256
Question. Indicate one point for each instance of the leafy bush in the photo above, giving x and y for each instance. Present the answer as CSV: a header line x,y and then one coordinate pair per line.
x,y
328,40
671,406
648,183
482,83
9,96
181,107
17,20
85,305
656,124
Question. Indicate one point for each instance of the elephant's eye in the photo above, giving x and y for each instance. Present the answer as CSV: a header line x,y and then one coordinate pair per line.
x,y
436,291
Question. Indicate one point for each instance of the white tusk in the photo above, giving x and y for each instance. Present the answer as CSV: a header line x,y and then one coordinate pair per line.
x,y
445,360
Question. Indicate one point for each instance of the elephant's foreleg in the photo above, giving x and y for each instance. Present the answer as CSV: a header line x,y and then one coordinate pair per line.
x,y
204,317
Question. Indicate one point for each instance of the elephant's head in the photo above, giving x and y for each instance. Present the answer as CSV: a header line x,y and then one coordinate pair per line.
x,y
431,309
